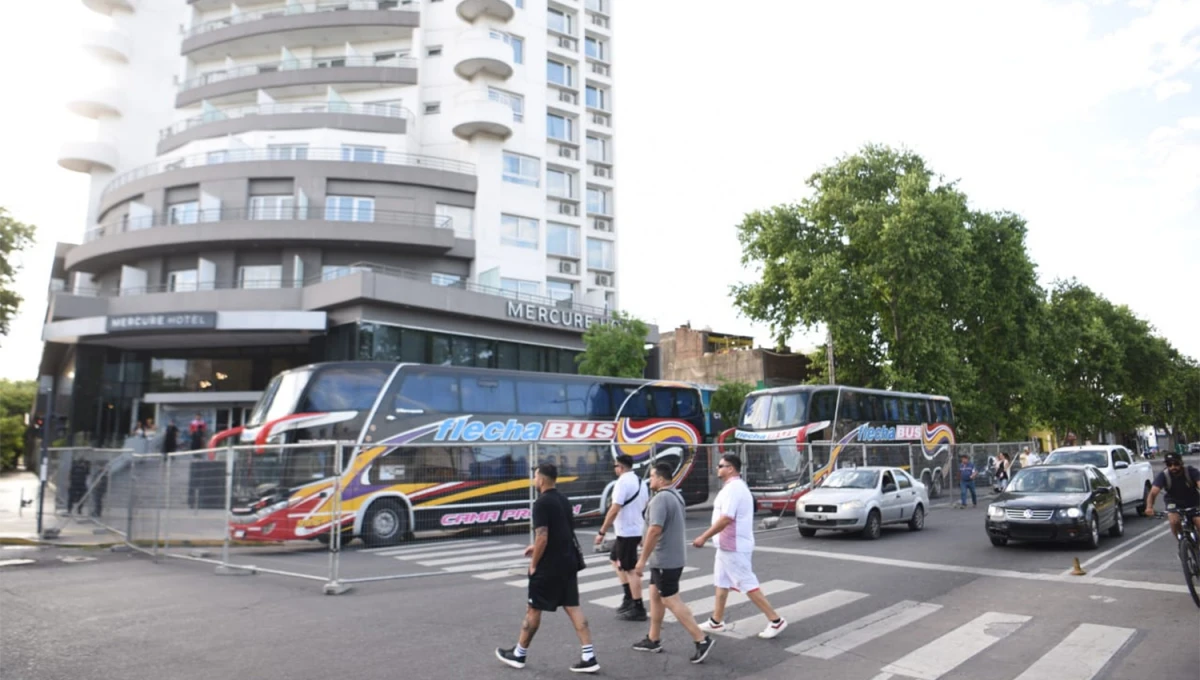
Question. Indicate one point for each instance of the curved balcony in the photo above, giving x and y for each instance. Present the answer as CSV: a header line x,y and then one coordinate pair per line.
x,y
107,7
113,244
298,77
111,45
387,118
87,156
97,104
383,166
482,113
471,10
330,21
483,51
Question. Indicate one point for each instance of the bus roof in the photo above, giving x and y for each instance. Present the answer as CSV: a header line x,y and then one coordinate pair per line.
x,y
392,365
789,389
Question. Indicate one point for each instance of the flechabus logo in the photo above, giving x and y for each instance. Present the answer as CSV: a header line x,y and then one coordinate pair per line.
x,y
463,429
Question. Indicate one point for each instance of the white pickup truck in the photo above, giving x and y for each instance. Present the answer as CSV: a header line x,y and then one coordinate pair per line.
x,y
1131,478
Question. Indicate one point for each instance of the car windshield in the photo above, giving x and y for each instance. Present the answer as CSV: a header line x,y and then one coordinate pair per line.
x,y
852,479
772,411
1041,480
1097,458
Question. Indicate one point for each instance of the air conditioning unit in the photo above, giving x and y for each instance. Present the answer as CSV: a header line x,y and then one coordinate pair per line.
x,y
566,43
566,152
568,267
604,280
601,225
602,171
567,209
599,119
566,97
600,68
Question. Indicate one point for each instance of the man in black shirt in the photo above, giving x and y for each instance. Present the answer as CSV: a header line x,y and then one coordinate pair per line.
x,y
1183,490
553,573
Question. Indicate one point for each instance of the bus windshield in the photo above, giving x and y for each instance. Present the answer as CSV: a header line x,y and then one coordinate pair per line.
x,y
280,397
772,411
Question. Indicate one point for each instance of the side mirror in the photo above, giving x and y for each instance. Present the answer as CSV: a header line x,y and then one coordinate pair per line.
x,y
889,488
1120,465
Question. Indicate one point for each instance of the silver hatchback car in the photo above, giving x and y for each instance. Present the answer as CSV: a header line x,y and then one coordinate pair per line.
x,y
863,499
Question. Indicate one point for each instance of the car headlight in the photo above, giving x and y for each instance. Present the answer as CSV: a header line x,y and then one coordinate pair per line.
x,y
1071,512
995,511
851,505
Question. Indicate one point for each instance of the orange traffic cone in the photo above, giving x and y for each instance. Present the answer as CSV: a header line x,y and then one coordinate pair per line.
x,y
1077,570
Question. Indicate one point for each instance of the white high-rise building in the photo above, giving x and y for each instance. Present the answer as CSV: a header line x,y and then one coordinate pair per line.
x,y
306,177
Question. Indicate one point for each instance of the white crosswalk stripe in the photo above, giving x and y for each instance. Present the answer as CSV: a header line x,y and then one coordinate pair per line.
x,y
456,554
593,562
945,653
685,585
832,643
602,584
701,607
392,551
799,611
1080,656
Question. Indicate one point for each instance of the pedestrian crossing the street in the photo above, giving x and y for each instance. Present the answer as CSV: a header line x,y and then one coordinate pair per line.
x,y
837,626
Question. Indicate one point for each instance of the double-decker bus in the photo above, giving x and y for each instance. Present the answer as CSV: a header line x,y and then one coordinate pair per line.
x,y
788,431
446,448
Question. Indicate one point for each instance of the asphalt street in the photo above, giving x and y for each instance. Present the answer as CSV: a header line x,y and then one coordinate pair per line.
x,y
940,603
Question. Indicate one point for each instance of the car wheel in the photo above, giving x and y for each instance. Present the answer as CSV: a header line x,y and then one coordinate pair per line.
x,y
999,541
1118,528
1120,503
1093,537
918,519
808,533
873,528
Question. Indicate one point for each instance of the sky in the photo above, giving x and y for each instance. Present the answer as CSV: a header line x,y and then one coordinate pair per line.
x,y
1083,117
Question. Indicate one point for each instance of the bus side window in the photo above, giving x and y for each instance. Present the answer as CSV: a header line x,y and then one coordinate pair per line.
x,y
488,395
662,402
871,407
687,403
343,389
577,399
597,402
849,410
425,392
635,407
823,404
541,398
891,409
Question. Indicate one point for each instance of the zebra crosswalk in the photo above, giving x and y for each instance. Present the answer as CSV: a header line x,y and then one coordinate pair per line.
x,y
833,626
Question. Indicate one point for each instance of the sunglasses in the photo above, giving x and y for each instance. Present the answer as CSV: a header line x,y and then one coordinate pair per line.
x,y
723,465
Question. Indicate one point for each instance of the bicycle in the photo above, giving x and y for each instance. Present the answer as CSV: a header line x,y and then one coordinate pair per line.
x,y
1189,549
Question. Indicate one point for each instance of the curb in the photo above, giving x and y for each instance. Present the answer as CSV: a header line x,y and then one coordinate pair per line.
x,y
201,543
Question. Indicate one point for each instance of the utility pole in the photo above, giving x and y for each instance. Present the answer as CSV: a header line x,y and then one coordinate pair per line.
x,y
829,353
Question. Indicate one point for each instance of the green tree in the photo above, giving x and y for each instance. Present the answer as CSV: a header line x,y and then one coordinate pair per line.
x,y
16,400
14,237
727,401
616,349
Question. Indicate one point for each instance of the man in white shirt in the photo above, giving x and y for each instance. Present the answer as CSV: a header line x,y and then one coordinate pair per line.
x,y
629,498
733,527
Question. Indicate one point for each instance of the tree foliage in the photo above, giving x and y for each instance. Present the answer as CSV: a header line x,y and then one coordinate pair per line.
x,y
921,292
14,237
727,401
616,350
16,400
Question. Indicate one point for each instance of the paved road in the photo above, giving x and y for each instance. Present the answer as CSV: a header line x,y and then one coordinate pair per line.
x,y
941,603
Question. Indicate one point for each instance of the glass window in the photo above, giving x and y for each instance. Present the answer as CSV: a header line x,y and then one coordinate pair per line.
x,y
182,280
600,254
559,127
425,392
1095,457
541,398
824,403
517,288
520,169
662,401
591,398
558,21
506,355
456,217
413,345
596,98
183,213
488,395
517,44
330,272
559,183
261,276
279,207
629,402
597,201
560,290
363,154
562,239
771,411
350,208
440,279
518,231
514,101
687,404
287,152
559,73
345,389
597,149
593,48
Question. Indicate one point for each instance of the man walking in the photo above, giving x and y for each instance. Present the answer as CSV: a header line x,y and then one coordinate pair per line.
x,y
553,573
664,550
966,479
733,527
625,515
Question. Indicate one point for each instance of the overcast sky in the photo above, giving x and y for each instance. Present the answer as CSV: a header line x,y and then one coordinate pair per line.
x,y
1083,117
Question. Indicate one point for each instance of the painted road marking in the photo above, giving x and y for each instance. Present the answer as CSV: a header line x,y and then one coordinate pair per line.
x,y
460,552
1132,549
507,552
601,584
945,653
393,550
614,601
861,631
1083,654
504,571
705,606
797,611
14,563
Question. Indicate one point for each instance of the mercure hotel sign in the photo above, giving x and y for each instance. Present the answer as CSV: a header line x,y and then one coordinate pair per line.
x,y
553,316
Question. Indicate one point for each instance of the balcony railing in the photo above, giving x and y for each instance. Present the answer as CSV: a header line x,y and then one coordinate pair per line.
x,y
345,154
347,270
382,110
294,65
326,6
384,218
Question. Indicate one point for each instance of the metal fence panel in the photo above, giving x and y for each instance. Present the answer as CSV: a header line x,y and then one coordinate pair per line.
x,y
84,490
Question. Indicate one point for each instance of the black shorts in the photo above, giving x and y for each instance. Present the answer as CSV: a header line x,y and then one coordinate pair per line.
x,y
666,580
548,592
625,552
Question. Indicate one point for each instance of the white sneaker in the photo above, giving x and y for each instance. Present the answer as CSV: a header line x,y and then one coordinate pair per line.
x,y
773,629
711,626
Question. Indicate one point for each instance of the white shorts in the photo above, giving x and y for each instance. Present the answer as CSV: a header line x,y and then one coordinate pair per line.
x,y
732,570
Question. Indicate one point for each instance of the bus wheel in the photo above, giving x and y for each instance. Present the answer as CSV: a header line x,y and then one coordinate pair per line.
x,y
386,523
936,489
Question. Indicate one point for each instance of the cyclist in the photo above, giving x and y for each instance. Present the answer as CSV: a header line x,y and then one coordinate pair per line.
x,y
1183,490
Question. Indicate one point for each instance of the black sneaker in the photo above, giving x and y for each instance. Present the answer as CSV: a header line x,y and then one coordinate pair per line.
x,y
509,657
648,645
635,613
626,605
590,666
702,649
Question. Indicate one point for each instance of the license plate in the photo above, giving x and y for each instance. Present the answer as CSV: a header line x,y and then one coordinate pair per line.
x,y
821,518
240,533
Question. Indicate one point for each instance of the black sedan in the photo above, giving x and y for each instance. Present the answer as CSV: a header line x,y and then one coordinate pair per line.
x,y
1055,503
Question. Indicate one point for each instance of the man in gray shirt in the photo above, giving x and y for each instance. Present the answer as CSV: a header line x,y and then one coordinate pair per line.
x,y
664,550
